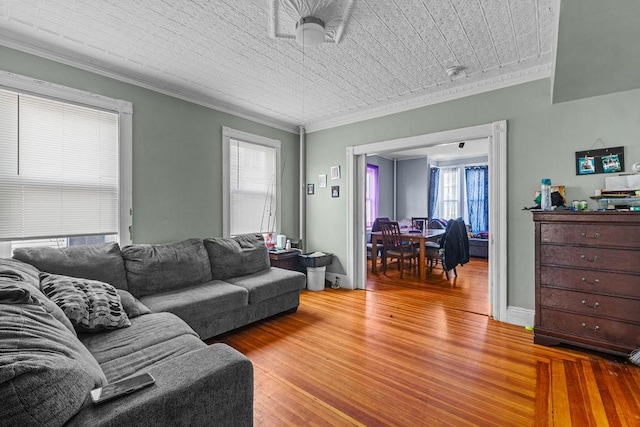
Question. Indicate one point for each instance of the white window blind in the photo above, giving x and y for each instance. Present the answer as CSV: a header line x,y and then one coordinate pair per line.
x,y
59,166
449,204
253,187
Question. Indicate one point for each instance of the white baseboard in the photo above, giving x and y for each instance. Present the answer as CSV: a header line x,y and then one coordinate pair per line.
x,y
520,316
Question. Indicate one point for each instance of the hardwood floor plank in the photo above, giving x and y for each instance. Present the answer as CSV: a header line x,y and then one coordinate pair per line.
x,y
414,353
579,404
622,405
544,403
597,408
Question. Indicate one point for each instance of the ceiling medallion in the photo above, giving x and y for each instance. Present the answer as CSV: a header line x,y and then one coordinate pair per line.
x,y
310,22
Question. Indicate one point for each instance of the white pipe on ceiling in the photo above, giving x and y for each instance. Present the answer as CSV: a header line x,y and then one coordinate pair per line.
x,y
303,188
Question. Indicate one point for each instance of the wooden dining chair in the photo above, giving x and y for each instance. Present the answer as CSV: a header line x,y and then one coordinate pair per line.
x,y
375,227
393,247
453,249
431,248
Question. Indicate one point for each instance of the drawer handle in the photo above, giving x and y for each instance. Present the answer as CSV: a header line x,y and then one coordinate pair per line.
x,y
595,282
595,305
595,329
584,257
595,235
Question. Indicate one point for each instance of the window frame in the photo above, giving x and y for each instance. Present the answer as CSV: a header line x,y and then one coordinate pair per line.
x,y
124,109
227,135
374,209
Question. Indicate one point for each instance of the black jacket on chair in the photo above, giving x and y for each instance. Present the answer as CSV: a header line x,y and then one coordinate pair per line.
x,y
455,243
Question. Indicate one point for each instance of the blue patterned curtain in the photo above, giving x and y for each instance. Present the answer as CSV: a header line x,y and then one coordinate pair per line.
x,y
434,184
477,178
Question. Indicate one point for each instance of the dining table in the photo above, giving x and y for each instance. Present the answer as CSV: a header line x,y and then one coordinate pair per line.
x,y
420,237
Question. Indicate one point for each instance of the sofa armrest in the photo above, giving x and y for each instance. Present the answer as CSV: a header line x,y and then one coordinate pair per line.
x,y
209,386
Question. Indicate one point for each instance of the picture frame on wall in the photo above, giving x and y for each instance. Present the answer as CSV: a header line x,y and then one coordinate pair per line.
x,y
335,191
586,165
322,181
310,189
604,160
335,172
611,163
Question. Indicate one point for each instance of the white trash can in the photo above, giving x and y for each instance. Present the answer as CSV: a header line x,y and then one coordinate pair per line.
x,y
315,278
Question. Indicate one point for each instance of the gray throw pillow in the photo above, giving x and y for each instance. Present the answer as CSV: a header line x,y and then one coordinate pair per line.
x,y
95,262
14,270
14,273
132,306
152,269
45,372
237,256
92,306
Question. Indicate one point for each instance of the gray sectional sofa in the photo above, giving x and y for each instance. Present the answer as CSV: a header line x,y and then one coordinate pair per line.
x,y
173,295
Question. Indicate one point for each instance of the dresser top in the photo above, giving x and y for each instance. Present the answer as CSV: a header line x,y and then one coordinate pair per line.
x,y
587,216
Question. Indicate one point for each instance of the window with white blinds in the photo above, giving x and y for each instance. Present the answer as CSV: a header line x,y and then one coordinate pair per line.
x,y
251,180
449,197
59,168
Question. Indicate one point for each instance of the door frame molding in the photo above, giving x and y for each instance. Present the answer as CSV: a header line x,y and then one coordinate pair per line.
x,y
496,132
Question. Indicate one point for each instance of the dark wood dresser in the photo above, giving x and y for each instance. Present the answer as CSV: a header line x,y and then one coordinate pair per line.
x,y
288,260
588,280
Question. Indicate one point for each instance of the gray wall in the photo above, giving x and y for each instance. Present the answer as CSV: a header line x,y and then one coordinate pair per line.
x,y
177,149
385,185
413,187
595,38
542,141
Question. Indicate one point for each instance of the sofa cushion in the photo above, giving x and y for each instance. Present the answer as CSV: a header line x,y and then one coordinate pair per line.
x,y
91,305
237,256
145,331
159,268
267,284
45,372
95,262
199,303
16,273
142,359
132,305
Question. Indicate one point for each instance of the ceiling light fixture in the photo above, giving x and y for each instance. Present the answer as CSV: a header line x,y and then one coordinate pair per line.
x,y
316,21
310,31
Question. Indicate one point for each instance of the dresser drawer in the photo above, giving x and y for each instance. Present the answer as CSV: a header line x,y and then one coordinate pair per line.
x,y
590,327
591,281
591,304
626,236
591,258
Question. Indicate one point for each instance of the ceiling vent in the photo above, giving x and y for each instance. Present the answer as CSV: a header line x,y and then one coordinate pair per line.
x,y
454,71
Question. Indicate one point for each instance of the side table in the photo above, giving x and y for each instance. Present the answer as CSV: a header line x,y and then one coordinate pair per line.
x,y
285,259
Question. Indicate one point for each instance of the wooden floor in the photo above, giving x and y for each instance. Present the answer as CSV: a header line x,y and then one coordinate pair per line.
x,y
411,353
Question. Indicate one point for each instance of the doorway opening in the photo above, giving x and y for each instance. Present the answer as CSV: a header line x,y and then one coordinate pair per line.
x,y
445,181
496,133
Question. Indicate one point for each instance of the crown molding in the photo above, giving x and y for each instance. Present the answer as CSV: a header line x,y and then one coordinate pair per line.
x,y
480,86
155,85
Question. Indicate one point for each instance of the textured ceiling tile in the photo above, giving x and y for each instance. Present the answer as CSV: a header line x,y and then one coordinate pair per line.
x,y
220,52
25,11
